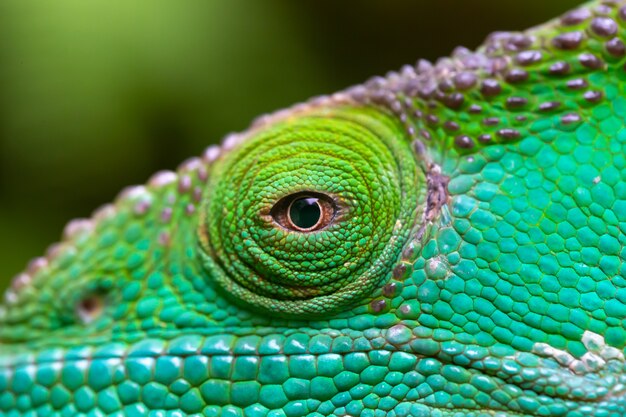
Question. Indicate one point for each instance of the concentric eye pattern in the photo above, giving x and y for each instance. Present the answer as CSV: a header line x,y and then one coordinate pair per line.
x,y
309,215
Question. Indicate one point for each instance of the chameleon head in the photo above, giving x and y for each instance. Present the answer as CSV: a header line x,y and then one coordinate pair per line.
x,y
186,282
446,241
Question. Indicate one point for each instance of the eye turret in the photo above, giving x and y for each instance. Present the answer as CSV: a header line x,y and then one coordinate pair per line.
x,y
309,215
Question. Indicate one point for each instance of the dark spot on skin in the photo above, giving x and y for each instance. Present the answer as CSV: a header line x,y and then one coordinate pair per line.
x,y
54,251
453,101
491,121
472,61
461,52
19,282
577,84
411,250
90,307
475,109
197,194
375,82
425,134
419,147
549,106
166,214
521,118
360,93
508,134
446,85
386,98
490,88
498,64
516,75
593,96
89,304
464,141
35,265
622,13
575,17
432,120
528,57
437,196
378,305
496,39
427,90
396,106
590,61
142,207
518,42
164,238
184,184
465,80
423,66
568,41
485,138
389,290
615,47
604,26
559,68
570,118
400,272
516,102
451,126
203,174
405,309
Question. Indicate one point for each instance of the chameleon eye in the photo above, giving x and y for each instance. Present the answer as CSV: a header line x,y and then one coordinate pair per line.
x,y
304,212
308,214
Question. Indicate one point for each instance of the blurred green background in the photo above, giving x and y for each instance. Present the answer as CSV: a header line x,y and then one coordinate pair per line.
x,y
96,95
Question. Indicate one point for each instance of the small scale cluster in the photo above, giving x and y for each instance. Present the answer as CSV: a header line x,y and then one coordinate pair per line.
x,y
498,85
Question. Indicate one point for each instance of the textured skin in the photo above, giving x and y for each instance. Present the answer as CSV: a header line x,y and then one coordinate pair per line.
x,y
476,265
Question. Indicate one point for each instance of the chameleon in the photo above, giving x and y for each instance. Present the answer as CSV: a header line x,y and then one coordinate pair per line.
x,y
446,240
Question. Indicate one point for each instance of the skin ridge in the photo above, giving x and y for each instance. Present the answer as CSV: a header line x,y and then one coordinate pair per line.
x,y
429,98
367,278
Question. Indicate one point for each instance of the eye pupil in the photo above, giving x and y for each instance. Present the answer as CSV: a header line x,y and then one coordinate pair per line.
x,y
305,212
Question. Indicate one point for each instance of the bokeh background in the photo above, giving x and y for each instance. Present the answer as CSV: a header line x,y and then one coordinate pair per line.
x,y
99,94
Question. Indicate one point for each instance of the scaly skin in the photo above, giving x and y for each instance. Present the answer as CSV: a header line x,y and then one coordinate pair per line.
x,y
472,264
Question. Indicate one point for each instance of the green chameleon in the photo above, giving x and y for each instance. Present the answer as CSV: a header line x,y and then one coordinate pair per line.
x,y
449,240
